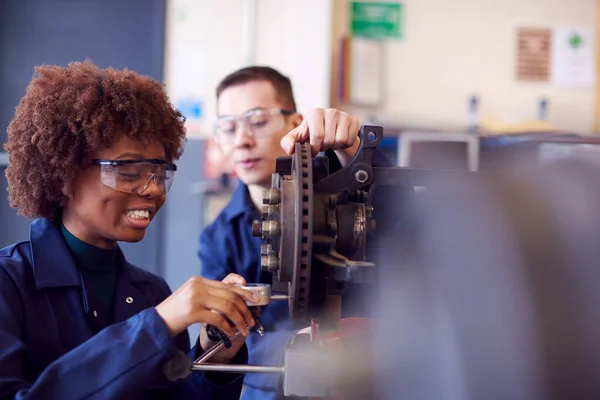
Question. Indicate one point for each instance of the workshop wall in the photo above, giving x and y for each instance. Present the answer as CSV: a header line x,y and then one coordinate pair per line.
x,y
205,40
453,49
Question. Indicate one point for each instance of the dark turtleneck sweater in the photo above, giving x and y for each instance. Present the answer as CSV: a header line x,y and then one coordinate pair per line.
x,y
98,269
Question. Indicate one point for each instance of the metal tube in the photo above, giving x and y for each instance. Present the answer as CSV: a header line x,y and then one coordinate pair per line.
x,y
210,352
277,297
238,369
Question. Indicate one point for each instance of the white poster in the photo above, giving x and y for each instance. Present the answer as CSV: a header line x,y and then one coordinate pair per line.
x,y
574,57
366,73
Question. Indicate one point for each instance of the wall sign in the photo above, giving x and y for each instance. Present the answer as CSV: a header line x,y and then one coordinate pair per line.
x,y
376,20
533,54
574,57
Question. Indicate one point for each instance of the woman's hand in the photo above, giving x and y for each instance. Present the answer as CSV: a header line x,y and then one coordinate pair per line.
x,y
225,355
201,300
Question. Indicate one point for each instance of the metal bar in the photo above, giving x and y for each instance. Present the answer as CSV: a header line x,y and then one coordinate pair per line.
x,y
239,369
3,159
210,352
214,350
279,297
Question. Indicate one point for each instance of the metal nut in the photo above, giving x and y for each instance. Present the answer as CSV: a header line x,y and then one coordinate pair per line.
x,y
361,176
266,249
269,263
268,211
271,229
271,197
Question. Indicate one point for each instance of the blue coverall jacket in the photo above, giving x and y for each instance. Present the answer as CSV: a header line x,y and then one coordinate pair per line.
x,y
49,349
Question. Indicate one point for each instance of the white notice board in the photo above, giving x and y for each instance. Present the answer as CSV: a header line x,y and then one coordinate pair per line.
x,y
574,57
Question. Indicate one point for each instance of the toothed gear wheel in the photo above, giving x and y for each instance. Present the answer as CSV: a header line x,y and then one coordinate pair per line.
x,y
303,175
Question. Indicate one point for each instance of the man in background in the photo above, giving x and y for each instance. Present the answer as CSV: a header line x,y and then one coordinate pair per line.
x,y
258,122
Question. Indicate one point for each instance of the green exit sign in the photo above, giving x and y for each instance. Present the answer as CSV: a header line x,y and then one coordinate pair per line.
x,y
376,20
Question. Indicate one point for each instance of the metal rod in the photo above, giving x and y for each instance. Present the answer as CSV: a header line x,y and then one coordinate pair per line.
x,y
239,369
277,297
214,350
3,159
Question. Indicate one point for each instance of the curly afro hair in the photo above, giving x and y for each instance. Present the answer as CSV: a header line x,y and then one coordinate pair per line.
x,y
66,115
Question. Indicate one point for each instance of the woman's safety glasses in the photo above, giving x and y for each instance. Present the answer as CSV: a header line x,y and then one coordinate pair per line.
x,y
135,176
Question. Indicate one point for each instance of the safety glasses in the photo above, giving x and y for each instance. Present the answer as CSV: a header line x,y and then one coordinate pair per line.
x,y
257,122
135,176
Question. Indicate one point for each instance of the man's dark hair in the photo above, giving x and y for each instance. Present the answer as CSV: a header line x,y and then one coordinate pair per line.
x,y
280,82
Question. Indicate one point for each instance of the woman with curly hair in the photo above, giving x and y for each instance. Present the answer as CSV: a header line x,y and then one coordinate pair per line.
x,y
91,157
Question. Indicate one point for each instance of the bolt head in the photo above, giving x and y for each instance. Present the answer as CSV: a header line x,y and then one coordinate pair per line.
x,y
265,249
269,263
361,176
271,229
271,197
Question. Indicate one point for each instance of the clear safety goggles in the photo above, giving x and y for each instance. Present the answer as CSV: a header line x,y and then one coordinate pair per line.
x,y
135,176
257,122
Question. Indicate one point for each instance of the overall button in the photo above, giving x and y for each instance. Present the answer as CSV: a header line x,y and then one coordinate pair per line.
x,y
129,300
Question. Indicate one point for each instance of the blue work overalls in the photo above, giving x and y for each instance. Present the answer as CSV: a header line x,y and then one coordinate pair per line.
x,y
50,347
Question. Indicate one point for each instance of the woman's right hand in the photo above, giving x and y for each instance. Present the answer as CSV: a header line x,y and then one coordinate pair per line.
x,y
201,300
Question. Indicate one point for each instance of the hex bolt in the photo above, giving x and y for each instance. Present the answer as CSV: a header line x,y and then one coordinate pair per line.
x,y
257,229
268,211
361,176
271,229
269,263
266,249
271,197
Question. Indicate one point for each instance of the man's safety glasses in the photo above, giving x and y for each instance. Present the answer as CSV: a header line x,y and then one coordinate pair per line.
x,y
258,122
135,176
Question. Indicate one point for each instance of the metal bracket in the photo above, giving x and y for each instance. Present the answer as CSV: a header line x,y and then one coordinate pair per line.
x,y
358,173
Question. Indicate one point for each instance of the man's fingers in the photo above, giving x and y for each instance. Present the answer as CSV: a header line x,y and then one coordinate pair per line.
x,y
331,122
342,133
316,130
354,128
298,134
